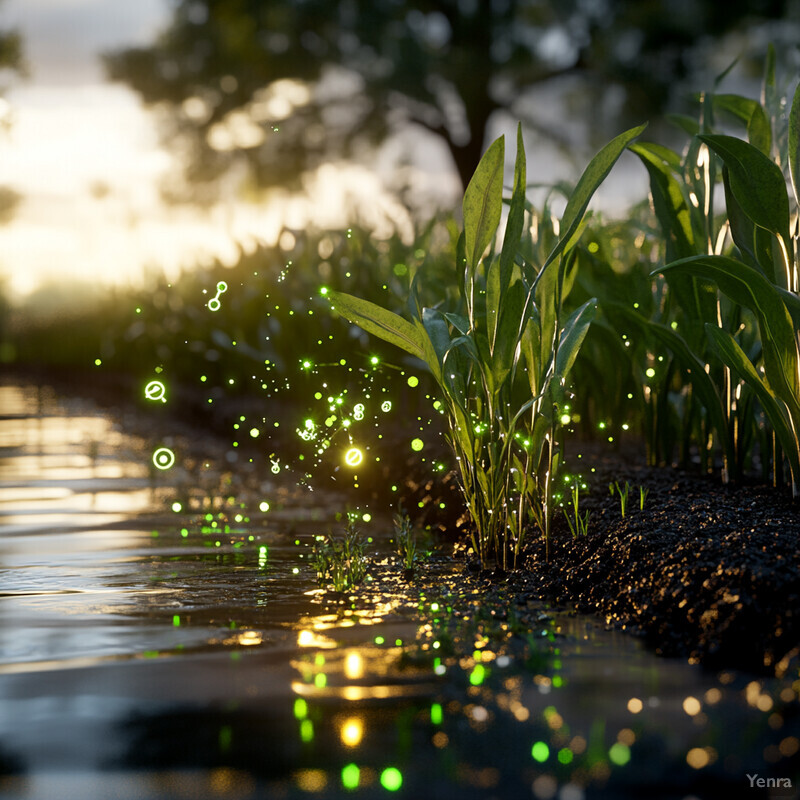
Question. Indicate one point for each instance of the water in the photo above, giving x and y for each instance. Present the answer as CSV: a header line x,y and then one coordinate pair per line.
x,y
147,652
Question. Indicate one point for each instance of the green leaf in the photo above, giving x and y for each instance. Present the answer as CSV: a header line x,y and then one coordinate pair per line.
x,y
701,381
759,188
745,232
483,203
592,177
733,355
684,122
794,144
509,331
746,286
378,321
572,337
668,201
752,114
516,216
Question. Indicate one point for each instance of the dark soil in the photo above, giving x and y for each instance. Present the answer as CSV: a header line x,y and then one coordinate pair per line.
x,y
706,571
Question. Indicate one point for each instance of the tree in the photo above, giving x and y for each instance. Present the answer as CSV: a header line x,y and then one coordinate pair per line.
x,y
284,85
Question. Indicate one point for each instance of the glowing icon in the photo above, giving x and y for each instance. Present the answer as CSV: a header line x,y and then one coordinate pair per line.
x,y
358,411
163,458
276,467
155,390
386,405
353,457
214,304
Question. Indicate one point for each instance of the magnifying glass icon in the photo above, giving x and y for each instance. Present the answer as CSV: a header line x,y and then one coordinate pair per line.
x,y
155,390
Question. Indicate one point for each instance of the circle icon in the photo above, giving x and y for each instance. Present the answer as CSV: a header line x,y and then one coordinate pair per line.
x,y
353,457
155,390
386,405
214,303
358,411
163,458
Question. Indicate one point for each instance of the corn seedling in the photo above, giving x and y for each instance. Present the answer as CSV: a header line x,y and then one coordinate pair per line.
x,y
502,362
623,492
642,497
578,523
405,540
340,562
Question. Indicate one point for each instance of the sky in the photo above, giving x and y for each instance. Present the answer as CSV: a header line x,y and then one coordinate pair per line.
x,y
86,158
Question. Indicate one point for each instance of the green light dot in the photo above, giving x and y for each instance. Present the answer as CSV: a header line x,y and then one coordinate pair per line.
x,y
417,445
366,517
97,362
619,754
558,681
540,752
321,680
176,507
254,432
263,506
650,372
351,775
413,381
307,730
379,640
300,708
565,419
391,779
478,675
176,620
436,714
565,755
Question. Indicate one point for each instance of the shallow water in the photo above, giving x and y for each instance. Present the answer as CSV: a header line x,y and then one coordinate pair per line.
x,y
147,652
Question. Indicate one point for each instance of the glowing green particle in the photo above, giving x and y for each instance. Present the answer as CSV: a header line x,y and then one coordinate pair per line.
x,y
300,708
351,776
565,755
184,532
203,379
558,681
379,640
391,779
650,372
374,360
400,270
323,290
97,362
619,754
320,680
263,506
306,730
176,620
398,642
343,361
478,675
436,714
565,419
540,752
254,432
138,310
413,381
176,507
417,445
366,517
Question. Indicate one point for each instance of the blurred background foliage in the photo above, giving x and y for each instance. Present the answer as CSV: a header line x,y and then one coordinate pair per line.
x,y
275,89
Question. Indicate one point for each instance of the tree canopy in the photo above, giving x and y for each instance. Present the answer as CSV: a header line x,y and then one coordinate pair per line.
x,y
285,85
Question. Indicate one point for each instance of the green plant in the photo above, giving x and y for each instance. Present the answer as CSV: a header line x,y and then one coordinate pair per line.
x,y
579,523
623,492
405,540
340,563
763,279
502,362
642,497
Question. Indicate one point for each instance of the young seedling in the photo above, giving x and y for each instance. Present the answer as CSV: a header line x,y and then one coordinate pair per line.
x,y
642,497
405,540
623,492
340,563
579,524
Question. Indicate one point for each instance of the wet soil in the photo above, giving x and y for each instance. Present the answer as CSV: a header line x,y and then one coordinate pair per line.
x,y
705,571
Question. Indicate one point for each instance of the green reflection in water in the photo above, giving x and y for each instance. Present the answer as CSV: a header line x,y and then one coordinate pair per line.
x,y
351,775
391,779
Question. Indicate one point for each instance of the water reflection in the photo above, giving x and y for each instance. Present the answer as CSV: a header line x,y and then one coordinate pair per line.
x,y
187,650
